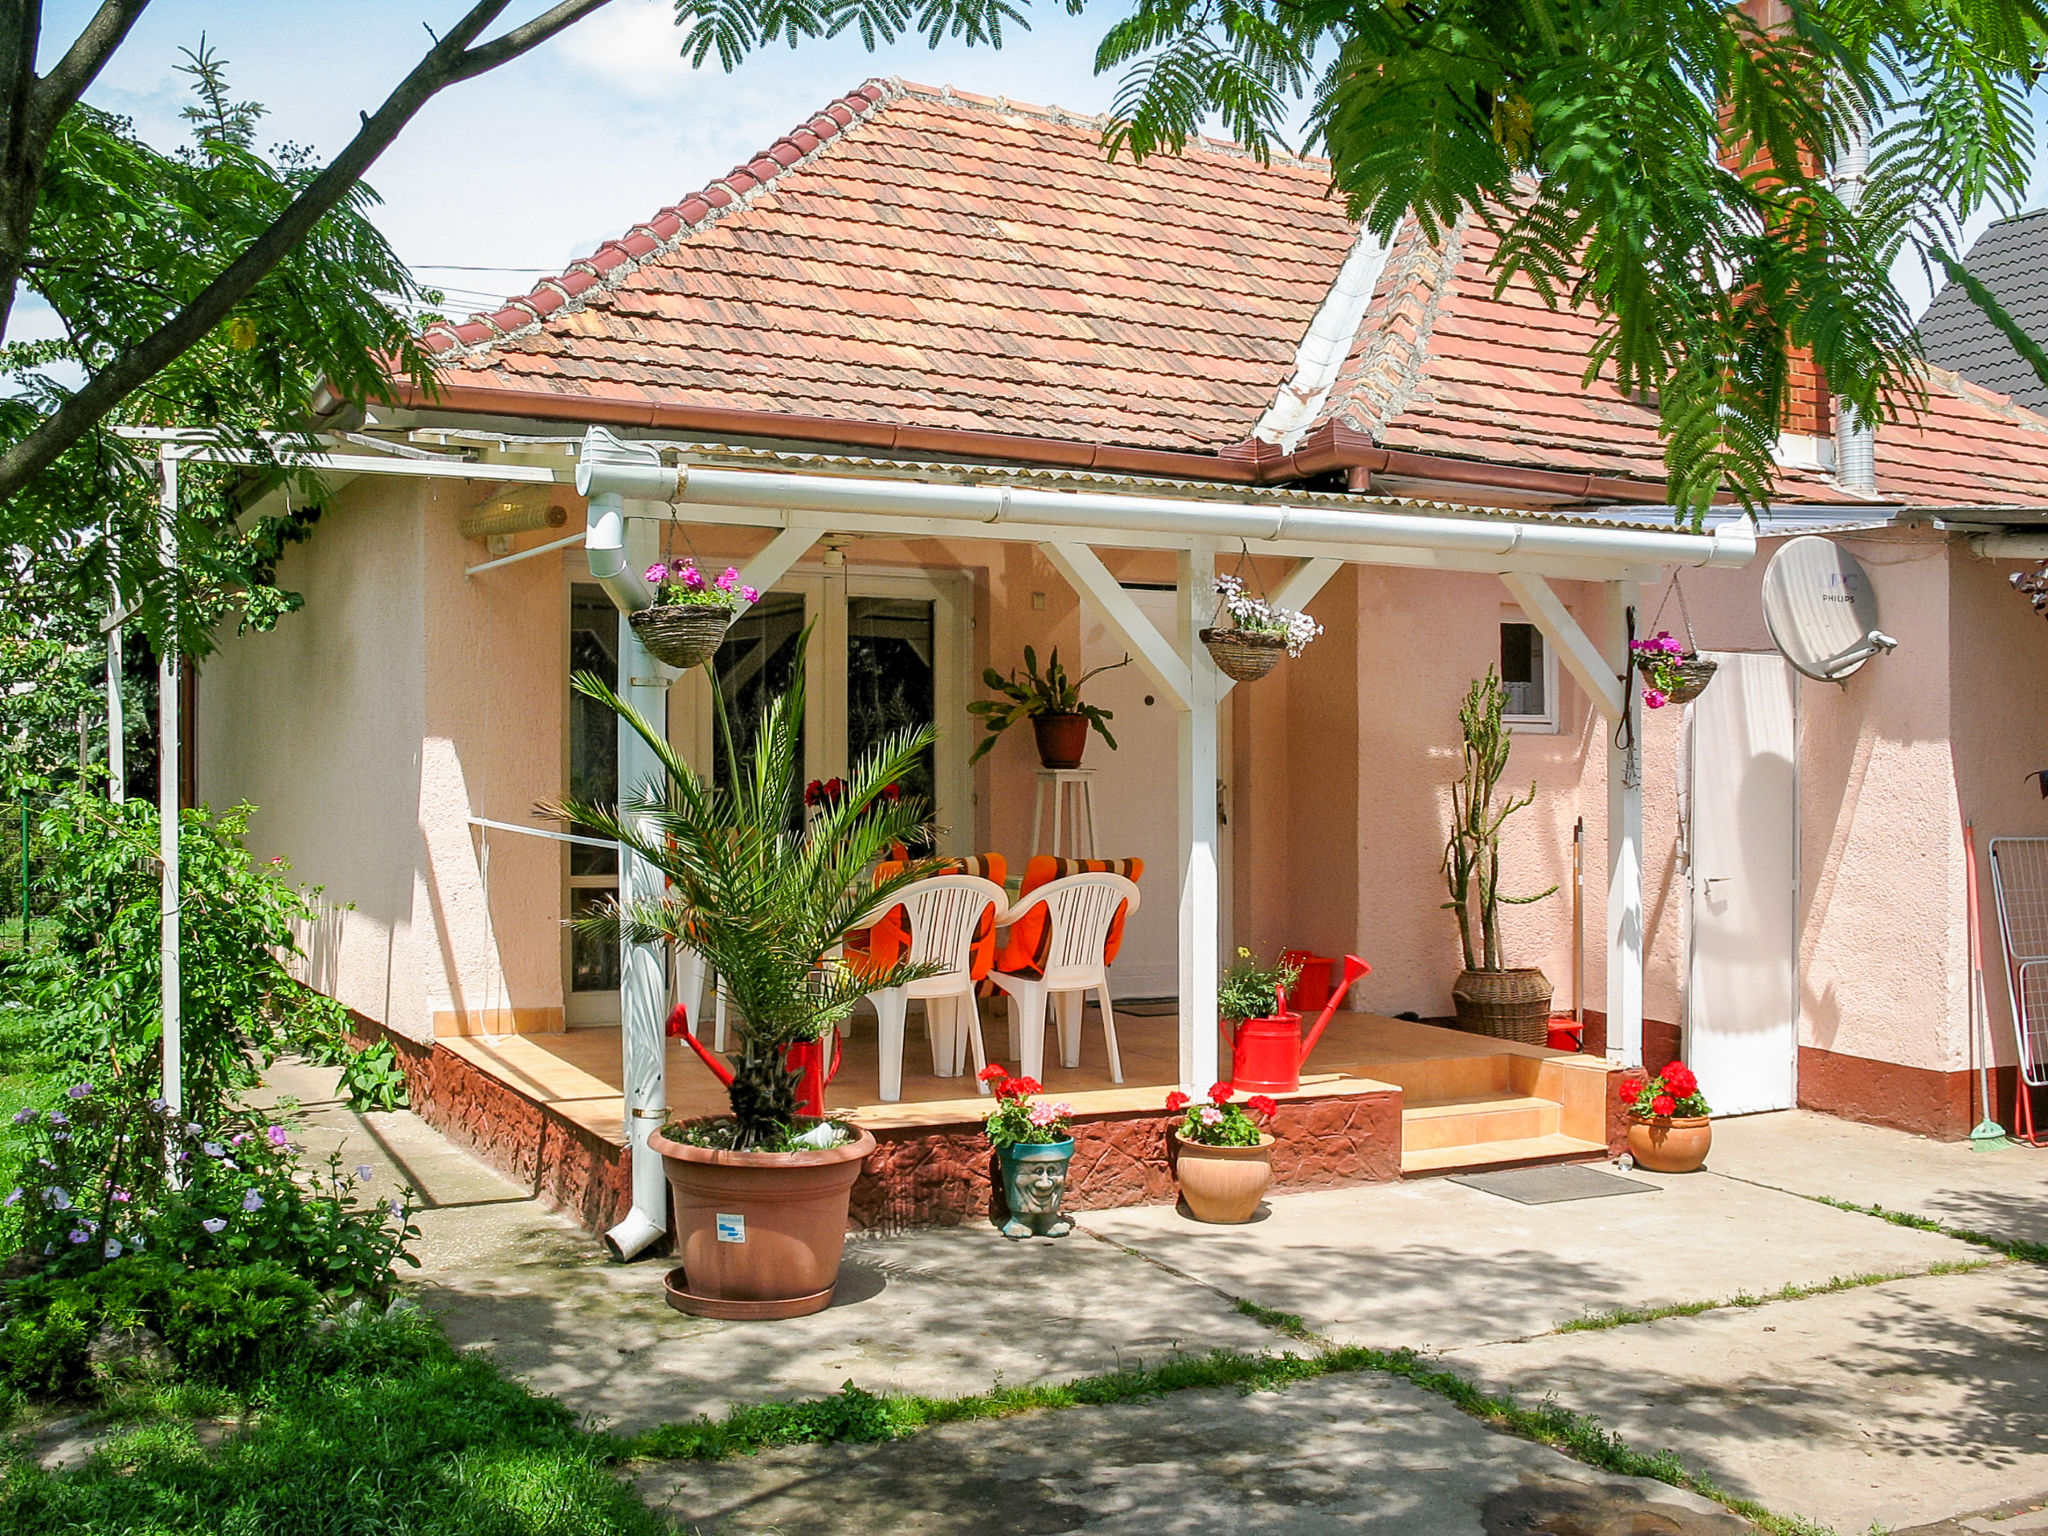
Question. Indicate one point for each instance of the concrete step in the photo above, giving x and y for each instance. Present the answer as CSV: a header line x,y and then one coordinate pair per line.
x,y
1464,1120
1522,1152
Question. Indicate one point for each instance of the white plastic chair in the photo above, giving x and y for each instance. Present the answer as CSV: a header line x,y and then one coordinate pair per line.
x,y
1079,910
942,914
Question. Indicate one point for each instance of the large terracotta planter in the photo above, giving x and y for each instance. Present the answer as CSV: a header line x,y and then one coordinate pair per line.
x,y
1223,1184
760,1233
1061,739
1670,1145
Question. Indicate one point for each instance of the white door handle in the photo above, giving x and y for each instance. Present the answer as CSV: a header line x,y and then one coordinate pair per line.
x,y
1713,880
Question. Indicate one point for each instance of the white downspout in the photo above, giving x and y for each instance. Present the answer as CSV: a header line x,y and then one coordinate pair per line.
x,y
642,988
1855,439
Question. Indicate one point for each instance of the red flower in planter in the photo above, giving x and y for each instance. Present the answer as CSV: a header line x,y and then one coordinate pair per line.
x,y
1020,1088
1176,1102
1663,1104
1220,1093
1630,1090
1679,1079
1262,1105
992,1073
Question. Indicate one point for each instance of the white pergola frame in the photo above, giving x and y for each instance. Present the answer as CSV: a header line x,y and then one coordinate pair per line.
x,y
631,491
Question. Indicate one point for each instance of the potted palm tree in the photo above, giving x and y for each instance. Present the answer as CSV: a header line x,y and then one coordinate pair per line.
x,y
1051,701
765,895
1492,997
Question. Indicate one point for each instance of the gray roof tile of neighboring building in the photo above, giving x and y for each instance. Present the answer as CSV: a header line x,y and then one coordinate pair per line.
x,y
2011,259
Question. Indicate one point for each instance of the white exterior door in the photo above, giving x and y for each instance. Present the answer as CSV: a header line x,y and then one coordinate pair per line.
x,y
1742,996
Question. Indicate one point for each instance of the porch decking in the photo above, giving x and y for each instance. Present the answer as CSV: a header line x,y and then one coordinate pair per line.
x,y
1452,1101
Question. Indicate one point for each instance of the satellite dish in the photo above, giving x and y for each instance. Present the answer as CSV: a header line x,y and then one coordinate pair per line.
x,y
1820,609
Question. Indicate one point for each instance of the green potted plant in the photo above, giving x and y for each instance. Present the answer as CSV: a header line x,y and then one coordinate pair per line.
x,y
1223,1153
1034,1145
765,895
1669,1124
1264,1035
1051,702
1492,997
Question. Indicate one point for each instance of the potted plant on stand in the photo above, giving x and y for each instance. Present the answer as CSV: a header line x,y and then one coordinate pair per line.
x,y
1051,702
763,895
1668,1126
1034,1144
1223,1153
1492,997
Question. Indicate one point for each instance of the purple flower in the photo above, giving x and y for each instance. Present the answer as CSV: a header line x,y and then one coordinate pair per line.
x,y
364,1173
111,1248
193,1128
214,1224
13,1196
56,1199
158,1106
750,594
214,1149
23,1116
657,573
122,1197
80,1235
277,1136
58,1117
729,580
397,1210
79,1090
238,1138
252,1201
693,578
60,1135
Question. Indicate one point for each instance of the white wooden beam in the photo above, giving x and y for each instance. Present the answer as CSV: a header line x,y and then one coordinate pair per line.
x,y
1156,658
1200,940
1624,843
1297,590
773,563
1581,657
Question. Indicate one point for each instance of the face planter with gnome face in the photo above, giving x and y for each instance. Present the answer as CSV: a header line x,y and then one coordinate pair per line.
x,y
1036,1185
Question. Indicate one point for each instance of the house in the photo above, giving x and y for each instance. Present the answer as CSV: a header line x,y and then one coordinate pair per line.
x,y
939,376
2011,259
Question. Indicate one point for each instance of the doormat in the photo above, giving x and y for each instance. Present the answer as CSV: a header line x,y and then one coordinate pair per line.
x,y
1547,1186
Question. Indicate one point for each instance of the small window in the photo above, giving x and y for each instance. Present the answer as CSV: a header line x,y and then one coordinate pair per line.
x,y
1528,673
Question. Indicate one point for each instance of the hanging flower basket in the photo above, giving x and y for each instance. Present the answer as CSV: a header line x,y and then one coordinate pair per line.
x,y
1672,673
1691,674
1244,654
690,615
1250,633
682,634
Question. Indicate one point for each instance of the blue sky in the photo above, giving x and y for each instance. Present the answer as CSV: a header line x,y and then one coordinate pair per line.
x,y
526,168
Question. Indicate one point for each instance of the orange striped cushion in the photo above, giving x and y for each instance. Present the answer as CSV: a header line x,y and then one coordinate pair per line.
x,y
1024,955
873,950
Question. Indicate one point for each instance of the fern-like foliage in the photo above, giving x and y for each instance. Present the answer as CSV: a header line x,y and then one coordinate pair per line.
x,y
760,891
733,29
1671,164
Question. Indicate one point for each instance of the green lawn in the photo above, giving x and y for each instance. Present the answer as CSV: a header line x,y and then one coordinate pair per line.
x,y
24,1083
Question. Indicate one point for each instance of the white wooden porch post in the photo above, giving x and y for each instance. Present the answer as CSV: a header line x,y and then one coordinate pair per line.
x,y
1196,578
1624,841
167,797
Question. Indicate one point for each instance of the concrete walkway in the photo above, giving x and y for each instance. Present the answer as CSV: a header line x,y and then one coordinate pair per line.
x,y
1909,1402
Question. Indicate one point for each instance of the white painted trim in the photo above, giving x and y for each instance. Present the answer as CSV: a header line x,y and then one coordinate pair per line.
x,y
1320,358
1155,656
1574,647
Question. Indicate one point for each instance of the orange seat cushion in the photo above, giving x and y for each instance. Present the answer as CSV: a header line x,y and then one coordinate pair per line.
x,y
1024,954
874,950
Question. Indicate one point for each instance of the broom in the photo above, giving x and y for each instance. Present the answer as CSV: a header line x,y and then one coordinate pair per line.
x,y
1987,1135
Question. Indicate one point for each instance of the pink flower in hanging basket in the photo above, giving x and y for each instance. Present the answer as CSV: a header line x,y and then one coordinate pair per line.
x,y
728,581
692,577
1655,698
750,594
657,573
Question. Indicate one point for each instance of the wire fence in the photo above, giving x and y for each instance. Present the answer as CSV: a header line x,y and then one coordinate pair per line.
x,y
25,903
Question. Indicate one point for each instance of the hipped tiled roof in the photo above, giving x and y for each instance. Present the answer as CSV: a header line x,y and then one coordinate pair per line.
x,y
919,258
926,257
2011,259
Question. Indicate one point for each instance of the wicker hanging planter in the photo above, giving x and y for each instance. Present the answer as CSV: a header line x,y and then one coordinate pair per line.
x,y
1244,654
1693,673
682,634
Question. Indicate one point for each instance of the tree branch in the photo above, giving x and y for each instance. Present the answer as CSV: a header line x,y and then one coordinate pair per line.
x,y
452,59
58,91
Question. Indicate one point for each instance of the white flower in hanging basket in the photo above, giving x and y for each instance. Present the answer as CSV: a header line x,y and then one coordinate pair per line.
x,y
1256,616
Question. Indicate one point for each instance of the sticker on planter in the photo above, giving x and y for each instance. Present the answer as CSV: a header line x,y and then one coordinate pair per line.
x,y
732,1229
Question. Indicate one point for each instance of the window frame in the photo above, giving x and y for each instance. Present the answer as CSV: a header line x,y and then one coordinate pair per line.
x,y
1550,722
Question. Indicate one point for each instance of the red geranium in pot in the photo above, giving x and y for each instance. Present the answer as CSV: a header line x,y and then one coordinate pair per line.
x,y
1668,1126
1223,1153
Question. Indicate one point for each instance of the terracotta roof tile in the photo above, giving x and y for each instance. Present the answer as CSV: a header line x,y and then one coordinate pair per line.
x,y
930,258
1441,365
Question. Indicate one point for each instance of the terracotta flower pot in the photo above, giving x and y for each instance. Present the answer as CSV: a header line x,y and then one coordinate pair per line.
x,y
1061,739
1676,1144
1223,1184
760,1233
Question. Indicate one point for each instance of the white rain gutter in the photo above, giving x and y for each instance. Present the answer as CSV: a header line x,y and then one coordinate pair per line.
x,y
642,990
2010,546
606,468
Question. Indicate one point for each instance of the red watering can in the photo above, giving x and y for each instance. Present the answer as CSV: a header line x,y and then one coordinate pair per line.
x,y
806,1057
1266,1055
